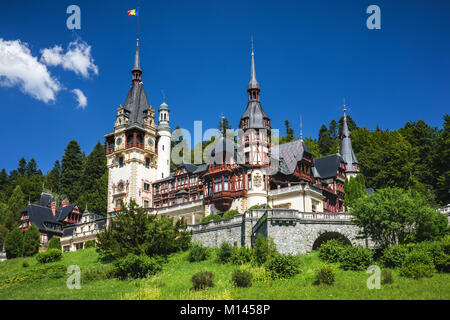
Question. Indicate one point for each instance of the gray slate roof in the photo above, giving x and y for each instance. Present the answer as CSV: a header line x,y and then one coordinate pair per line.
x,y
255,114
328,166
136,103
289,154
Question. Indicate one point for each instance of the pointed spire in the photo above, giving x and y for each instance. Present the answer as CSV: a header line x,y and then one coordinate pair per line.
x,y
347,153
253,82
301,128
137,71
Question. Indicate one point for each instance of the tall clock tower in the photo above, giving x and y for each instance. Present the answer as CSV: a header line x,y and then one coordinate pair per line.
x,y
130,148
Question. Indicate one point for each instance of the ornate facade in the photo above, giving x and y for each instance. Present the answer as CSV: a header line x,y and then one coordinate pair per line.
x,y
239,174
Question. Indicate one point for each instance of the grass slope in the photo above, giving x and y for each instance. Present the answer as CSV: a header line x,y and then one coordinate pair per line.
x,y
174,282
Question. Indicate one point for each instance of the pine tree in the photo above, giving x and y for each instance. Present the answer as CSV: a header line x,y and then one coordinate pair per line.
x,y
224,125
326,143
16,203
95,167
442,164
31,168
289,132
334,129
71,171
14,243
31,241
54,178
22,166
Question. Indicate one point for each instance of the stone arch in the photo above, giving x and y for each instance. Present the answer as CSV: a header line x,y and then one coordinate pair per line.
x,y
328,235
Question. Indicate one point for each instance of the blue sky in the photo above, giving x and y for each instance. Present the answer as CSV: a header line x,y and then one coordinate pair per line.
x,y
309,55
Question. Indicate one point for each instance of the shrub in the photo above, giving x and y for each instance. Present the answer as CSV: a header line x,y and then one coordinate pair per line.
x,y
14,243
89,244
197,252
54,243
282,266
241,255
394,256
111,272
264,248
436,251
203,280
211,217
331,251
93,274
25,264
325,275
224,253
417,270
242,278
356,258
51,255
386,276
31,241
230,214
418,255
133,266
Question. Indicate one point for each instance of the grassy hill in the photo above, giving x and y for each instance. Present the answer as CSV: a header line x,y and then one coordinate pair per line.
x,y
48,281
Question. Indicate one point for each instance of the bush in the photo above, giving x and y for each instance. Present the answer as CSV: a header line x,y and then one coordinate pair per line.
x,y
386,276
264,248
211,217
242,278
31,241
224,253
230,214
133,266
356,258
241,255
25,264
51,255
93,274
14,243
394,256
203,280
54,243
418,255
282,266
89,244
436,251
331,251
325,275
417,270
198,252
111,272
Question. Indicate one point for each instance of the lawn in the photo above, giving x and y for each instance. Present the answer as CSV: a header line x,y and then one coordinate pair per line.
x,y
174,282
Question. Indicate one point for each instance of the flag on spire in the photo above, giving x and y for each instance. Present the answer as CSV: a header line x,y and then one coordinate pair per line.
x,y
134,12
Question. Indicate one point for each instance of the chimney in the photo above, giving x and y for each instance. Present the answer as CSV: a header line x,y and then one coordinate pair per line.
x,y
54,208
65,203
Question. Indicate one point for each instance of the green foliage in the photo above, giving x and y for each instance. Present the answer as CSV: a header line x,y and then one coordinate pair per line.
x,y
386,276
111,272
202,280
230,214
241,255
442,164
356,258
355,188
135,231
242,278
263,249
390,216
14,244
89,244
326,143
197,252
25,264
53,179
134,266
3,233
394,256
72,171
417,270
259,206
51,255
282,266
331,251
54,243
16,203
325,275
211,217
224,253
31,241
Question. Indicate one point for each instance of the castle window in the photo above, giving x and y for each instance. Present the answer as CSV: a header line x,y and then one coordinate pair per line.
x,y
146,186
147,162
145,203
225,184
121,162
218,185
249,181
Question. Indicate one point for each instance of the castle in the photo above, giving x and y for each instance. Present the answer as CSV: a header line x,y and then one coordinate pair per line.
x,y
239,174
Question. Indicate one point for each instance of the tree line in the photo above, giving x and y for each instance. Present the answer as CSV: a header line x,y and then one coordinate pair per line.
x,y
79,178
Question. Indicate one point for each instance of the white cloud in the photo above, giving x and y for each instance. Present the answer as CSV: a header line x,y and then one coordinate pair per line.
x,y
18,67
77,58
81,98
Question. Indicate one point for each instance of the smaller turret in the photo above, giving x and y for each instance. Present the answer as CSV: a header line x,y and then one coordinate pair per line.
x,y
347,154
164,139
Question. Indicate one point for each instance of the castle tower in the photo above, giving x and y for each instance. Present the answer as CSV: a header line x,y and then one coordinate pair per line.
x,y
164,138
255,125
347,154
130,147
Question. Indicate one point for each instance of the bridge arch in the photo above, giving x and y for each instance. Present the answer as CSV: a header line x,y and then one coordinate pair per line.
x,y
328,235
